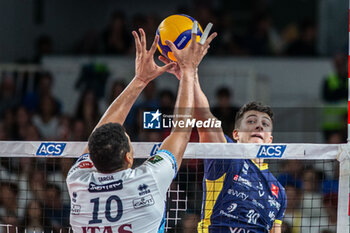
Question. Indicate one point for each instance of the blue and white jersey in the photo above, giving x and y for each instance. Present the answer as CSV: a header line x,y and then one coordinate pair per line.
x,y
131,200
240,196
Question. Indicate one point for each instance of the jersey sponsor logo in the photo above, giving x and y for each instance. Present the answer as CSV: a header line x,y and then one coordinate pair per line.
x,y
238,230
85,164
274,203
143,202
155,149
255,202
83,157
143,188
232,207
113,186
240,180
75,210
274,190
228,215
125,228
261,188
105,178
50,148
151,120
272,216
245,168
235,193
155,159
272,151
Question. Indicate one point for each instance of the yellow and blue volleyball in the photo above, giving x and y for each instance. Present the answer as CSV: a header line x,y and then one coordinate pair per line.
x,y
177,29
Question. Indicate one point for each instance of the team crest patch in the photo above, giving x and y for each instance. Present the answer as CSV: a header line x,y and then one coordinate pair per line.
x,y
274,190
155,159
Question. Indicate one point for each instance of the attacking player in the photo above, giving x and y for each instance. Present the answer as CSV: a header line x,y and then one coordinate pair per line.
x,y
106,194
240,195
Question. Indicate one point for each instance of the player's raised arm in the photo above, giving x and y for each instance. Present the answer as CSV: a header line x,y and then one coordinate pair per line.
x,y
201,107
145,71
188,60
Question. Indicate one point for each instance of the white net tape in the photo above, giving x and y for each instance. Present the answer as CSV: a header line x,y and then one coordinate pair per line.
x,y
340,152
193,150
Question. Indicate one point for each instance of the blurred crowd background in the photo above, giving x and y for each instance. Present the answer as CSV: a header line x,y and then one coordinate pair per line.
x,y
33,193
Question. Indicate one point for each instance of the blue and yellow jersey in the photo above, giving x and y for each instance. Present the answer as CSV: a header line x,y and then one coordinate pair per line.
x,y
240,196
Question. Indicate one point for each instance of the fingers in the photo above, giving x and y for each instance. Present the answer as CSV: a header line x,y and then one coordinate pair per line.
x,y
137,42
163,59
205,33
209,40
194,32
154,45
171,46
143,38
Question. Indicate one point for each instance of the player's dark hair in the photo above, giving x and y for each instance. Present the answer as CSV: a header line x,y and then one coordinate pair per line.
x,y
252,106
108,145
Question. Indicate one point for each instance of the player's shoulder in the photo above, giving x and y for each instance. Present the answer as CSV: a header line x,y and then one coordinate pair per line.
x,y
82,166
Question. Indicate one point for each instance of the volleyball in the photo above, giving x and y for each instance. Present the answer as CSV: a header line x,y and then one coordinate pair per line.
x,y
177,29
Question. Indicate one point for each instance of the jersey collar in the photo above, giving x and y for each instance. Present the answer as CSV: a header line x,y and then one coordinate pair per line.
x,y
265,166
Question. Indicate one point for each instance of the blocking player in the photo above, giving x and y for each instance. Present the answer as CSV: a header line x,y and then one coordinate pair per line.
x,y
106,194
240,195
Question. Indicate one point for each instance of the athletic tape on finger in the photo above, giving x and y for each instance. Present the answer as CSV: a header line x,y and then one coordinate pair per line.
x,y
205,33
194,27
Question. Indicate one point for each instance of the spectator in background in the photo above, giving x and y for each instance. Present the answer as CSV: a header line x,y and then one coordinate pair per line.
x,y
224,110
330,202
79,131
312,198
47,119
43,89
55,211
43,47
293,214
34,219
89,44
166,102
8,98
261,38
22,120
188,224
8,119
118,87
8,199
335,84
305,45
117,39
88,110
58,178
12,222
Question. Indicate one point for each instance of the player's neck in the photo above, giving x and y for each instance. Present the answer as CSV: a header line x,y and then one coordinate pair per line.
x,y
259,162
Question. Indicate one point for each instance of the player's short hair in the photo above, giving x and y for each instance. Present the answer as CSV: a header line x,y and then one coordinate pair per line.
x,y
108,145
252,106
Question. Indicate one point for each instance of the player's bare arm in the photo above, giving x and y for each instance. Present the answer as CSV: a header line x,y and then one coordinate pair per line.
x,y
188,60
277,228
201,106
146,70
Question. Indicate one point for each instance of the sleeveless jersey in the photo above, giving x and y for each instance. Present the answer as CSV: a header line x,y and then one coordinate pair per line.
x,y
131,200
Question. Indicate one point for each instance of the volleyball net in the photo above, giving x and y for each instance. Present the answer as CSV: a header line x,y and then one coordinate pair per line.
x,y
34,195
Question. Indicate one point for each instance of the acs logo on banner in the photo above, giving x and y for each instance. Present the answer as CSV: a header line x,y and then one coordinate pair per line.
x,y
272,151
50,148
151,120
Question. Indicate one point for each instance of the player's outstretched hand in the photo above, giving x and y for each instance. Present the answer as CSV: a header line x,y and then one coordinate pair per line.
x,y
145,67
175,70
192,55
